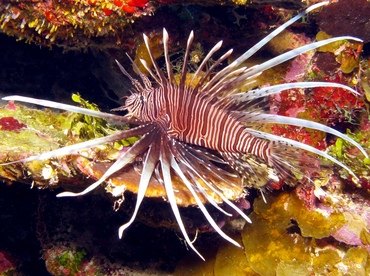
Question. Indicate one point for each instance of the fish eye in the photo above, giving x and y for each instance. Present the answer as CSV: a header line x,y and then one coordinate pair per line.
x,y
142,98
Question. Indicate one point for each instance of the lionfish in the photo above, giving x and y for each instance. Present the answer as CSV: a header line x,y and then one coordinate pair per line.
x,y
199,128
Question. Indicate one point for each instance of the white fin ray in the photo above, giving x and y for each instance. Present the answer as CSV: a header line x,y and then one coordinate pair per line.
x,y
275,89
149,165
210,70
185,62
146,81
127,158
163,79
190,158
166,57
186,158
145,64
292,54
277,31
232,89
228,202
300,145
138,86
201,206
278,119
82,146
226,82
166,174
214,189
227,70
205,60
67,107
206,195
134,82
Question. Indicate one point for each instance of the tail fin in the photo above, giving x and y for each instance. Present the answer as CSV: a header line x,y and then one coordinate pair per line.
x,y
256,172
292,164
288,161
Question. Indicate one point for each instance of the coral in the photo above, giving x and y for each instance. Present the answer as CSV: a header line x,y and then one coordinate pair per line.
x,y
36,131
142,52
231,260
347,54
287,4
309,230
288,238
339,243
344,152
328,106
75,24
69,22
287,40
324,105
349,17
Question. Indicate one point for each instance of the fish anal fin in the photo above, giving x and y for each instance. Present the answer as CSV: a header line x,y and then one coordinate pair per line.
x,y
293,165
255,171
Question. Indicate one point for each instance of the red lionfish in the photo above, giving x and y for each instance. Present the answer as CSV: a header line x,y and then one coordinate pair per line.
x,y
181,125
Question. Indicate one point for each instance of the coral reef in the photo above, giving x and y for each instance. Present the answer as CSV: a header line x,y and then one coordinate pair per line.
x,y
69,22
323,227
83,23
299,236
305,231
350,17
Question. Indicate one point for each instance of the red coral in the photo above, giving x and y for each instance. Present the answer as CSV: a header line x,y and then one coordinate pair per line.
x,y
11,124
137,3
107,11
128,9
289,103
49,15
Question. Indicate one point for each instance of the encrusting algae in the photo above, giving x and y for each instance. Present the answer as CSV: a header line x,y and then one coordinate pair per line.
x,y
44,130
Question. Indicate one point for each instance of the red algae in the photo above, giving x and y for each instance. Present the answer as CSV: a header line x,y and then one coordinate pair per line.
x,y
11,106
11,124
333,101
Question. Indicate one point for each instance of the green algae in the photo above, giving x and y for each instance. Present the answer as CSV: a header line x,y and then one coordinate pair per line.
x,y
72,260
88,127
45,130
345,153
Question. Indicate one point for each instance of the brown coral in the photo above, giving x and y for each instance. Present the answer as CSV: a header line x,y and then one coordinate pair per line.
x,y
346,17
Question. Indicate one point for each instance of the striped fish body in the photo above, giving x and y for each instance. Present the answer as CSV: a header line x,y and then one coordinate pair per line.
x,y
189,117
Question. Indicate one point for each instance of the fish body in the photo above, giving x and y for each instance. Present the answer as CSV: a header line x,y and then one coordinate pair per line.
x,y
187,116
